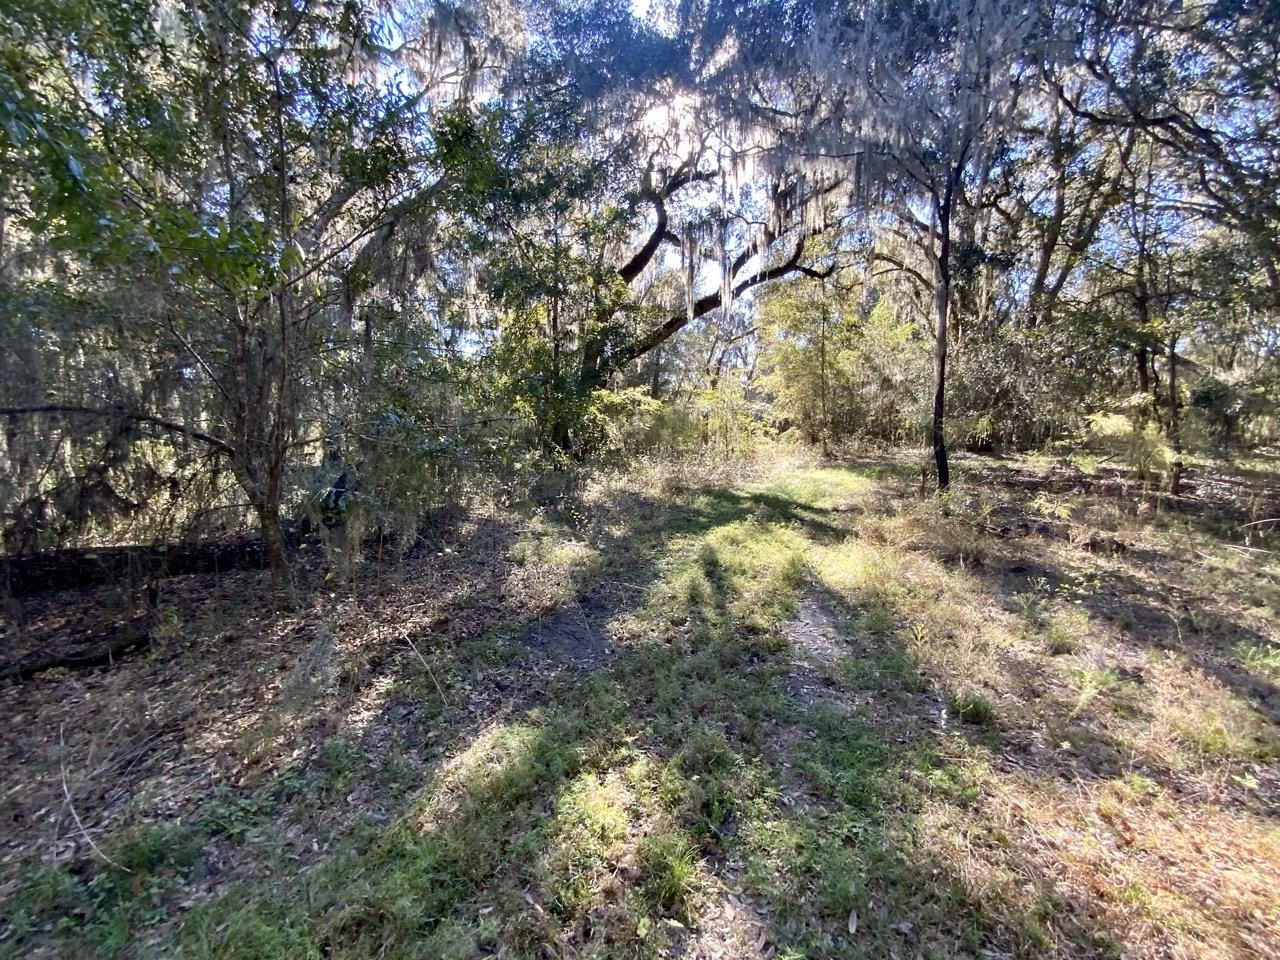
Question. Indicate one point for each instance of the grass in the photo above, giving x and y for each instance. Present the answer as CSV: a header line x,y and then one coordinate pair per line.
x,y
982,763
1263,657
974,708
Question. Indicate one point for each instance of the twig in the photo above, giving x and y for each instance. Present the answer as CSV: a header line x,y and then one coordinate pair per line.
x,y
427,666
66,792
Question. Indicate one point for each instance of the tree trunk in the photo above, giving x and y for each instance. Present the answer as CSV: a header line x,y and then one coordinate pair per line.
x,y
1175,437
368,354
822,386
281,415
941,310
559,434
277,560
940,385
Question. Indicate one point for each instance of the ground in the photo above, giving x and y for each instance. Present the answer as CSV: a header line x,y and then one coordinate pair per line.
x,y
791,710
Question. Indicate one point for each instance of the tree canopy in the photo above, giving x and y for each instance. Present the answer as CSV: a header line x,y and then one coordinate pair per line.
x,y
252,249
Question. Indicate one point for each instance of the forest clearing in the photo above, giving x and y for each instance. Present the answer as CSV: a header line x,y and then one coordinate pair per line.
x,y
810,714
640,479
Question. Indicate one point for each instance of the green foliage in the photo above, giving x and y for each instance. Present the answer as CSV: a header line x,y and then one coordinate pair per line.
x,y
107,907
1133,440
973,708
227,931
837,370
620,422
1263,657
671,866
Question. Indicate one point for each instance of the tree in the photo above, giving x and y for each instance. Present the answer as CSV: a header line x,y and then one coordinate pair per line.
x,y
1200,81
933,94
240,165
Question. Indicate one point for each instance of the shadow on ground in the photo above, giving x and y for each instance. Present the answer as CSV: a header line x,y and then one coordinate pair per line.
x,y
701,752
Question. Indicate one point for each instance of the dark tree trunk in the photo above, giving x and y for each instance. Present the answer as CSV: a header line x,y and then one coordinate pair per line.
x,y
822,384
273,546
655,374
560,435
941,317
939,389
1175,436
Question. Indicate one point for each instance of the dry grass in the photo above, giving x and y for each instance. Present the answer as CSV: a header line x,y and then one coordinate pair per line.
x,y
1038,717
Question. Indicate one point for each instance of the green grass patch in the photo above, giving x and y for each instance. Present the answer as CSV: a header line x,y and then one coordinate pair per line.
x,y
1263,657
972,707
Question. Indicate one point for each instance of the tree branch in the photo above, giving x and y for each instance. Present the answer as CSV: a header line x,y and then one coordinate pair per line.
x,y
644,256
704,305
121,413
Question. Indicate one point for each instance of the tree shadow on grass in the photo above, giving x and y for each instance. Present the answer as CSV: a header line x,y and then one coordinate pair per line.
x,y
1104,683
477,861
1159,618
490,806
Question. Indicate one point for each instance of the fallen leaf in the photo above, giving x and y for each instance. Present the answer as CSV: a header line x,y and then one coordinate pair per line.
x,y
853,921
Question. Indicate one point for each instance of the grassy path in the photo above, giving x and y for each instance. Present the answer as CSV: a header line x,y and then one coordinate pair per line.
x,y
808,716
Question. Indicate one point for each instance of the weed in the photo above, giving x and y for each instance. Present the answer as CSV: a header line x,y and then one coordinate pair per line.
x,y
846,759
701,783
105,907
887,668
257,743
1263,657
237,927
232,813
974,708
591,820
1063,633
1094,681
671,871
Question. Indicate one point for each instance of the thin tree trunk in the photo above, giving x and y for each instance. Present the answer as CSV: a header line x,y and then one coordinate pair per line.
x,y
940,385
278,433
822,369
941,308
368,354
1175,436
277,560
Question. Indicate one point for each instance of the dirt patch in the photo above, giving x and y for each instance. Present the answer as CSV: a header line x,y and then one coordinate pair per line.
x,y
816,640
576,634
817,647
732,926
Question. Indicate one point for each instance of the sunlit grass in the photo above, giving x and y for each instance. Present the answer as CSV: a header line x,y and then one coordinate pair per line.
x,y
1263,657
599,810
822,489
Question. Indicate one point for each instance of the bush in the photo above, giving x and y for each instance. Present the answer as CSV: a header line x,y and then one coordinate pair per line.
x,y
1132,439
973,708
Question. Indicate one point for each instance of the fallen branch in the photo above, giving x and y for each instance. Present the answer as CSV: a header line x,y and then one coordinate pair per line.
x,y
101,654
66,792
77,568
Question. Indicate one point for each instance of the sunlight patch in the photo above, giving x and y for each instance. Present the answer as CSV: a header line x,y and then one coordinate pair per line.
x,y
497,765
823,489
